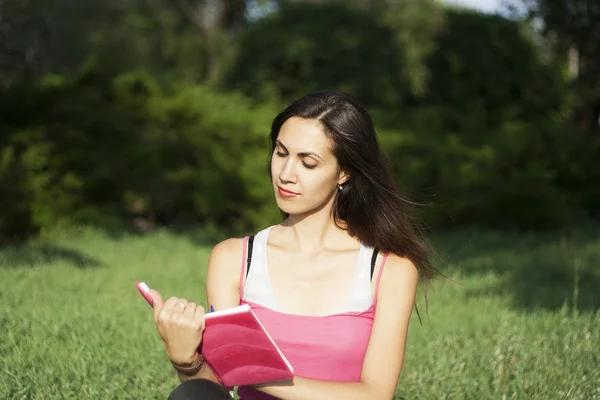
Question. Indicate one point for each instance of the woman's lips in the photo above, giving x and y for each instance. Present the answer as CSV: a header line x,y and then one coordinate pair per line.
x,y
286,194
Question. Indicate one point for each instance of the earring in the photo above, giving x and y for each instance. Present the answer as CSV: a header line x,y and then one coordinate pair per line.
x,y
340,187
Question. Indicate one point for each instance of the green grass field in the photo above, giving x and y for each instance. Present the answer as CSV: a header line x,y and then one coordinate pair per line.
x,y
523,321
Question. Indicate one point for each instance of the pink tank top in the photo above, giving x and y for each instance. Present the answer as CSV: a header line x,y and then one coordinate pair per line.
x,y
330,348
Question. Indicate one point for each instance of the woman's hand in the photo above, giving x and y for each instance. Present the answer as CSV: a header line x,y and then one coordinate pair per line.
x,y
180,324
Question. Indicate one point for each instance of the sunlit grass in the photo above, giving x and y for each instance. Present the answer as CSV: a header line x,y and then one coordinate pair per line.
x,y
522,322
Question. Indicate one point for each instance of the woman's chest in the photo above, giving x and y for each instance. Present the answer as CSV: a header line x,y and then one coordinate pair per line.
x,y
311,296
325,348
311,287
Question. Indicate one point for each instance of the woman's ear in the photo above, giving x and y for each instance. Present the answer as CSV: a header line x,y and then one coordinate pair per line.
x,y
343,177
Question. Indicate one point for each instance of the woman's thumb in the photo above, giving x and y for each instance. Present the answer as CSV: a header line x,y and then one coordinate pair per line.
x,y
157,302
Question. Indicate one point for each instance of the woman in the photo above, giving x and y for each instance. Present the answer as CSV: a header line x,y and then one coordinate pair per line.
x,y
339,286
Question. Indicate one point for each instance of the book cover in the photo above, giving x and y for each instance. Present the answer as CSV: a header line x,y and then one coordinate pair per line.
x,y
240,351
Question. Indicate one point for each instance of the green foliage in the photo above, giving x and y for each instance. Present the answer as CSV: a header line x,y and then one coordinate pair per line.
x,y
571,31
296,50
39,37
414,26
520,174
487,66
112,149
475,121
490,144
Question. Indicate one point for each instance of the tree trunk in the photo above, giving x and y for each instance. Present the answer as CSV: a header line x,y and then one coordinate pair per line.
x,y
216,20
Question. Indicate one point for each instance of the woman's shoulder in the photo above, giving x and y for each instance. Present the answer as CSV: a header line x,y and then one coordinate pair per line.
x,y
399,280
231,248
399,269
225,262
227,248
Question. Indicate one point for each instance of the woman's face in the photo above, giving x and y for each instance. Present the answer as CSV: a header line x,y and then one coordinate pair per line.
x,y
304,170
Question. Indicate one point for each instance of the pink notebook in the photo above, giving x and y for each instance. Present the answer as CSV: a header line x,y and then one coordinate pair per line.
x,y
237,347
240,351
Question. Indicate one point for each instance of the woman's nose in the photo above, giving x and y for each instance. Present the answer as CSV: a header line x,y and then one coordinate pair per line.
x,y
287,173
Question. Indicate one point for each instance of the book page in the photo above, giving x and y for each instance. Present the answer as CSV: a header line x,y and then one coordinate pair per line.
x,y
228,311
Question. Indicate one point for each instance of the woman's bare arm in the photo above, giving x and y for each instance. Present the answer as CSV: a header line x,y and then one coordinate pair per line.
x,y
179,330
222,290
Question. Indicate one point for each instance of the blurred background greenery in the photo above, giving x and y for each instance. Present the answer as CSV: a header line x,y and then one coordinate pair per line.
x,y
146,113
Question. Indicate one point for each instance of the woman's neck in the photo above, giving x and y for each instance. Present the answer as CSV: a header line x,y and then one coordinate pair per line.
x,y
313,232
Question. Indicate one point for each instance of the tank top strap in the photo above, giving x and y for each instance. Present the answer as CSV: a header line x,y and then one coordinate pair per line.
x,y
385,255
257,287
243,266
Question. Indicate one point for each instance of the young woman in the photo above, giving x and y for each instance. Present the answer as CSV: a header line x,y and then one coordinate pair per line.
x,y
334,283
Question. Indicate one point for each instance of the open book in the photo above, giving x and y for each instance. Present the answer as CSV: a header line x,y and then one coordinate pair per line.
x,y
237,347
240,351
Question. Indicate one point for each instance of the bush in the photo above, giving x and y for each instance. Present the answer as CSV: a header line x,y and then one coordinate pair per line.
x,y
107,150
306,47
535,174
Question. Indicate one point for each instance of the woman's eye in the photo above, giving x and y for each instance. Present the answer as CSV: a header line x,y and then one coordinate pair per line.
x,y
305,165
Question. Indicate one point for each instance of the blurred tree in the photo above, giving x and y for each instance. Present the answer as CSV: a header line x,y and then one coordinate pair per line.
x,y
176,39
105,150
413,23
489,140
303,47
489,67
471,112
573,28
216,21
38,37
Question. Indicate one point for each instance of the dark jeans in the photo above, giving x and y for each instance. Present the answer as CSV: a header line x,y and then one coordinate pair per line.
x,y
200,389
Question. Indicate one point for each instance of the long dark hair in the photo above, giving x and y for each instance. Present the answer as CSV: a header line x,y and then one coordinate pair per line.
x,y
369,202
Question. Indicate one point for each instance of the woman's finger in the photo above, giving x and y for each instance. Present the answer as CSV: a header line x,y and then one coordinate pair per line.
x,y
170,302
180,305
177,311
167,309
188,313
157,303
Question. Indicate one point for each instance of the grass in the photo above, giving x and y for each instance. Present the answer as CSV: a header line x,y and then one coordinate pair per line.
x,y
523,321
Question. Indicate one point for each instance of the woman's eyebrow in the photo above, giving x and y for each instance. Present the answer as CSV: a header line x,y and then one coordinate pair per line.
x,y
301,154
